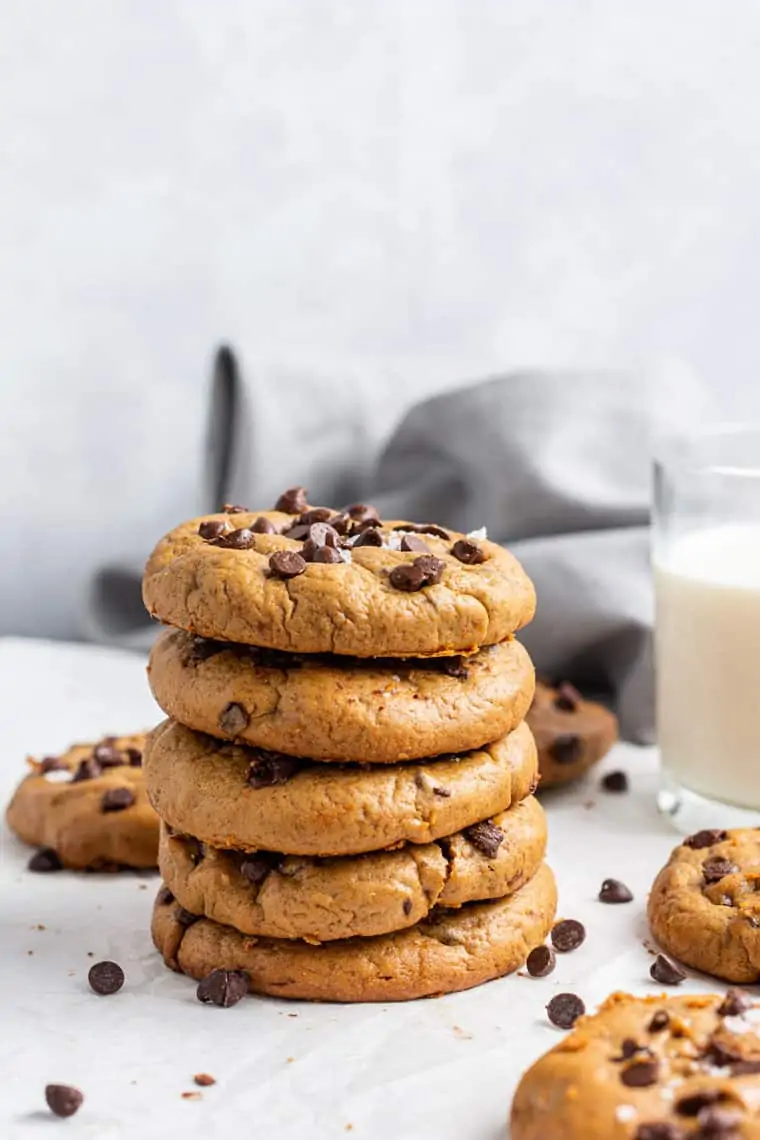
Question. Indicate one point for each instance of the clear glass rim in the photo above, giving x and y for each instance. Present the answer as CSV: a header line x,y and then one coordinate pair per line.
x,y
680,449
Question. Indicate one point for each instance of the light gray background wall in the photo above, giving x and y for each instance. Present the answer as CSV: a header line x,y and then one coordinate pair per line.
x,y
412,191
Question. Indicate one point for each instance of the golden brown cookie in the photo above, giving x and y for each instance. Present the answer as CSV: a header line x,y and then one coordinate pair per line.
x,y
451,950
656,1068
319,900
230,796
88,808
572,734
379,710
412,594
705,904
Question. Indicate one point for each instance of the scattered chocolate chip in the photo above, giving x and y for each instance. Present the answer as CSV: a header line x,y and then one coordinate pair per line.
x,y
44,860
185,917
613,891
242,539
106,977
567,748
286,564
693,1103
412,542
315,515
454,667
63,1100
164,896
486,837
568,935
567,698
255,868
615,782
223,987
368,537
660,1020
444,793
424,528
735,1003
117,799
205,1080
639,1074
407,906
564,1010
362,512
468,552
270,768
665,972
541,961
706,838
233,719
657,1130
263,526
52,764
293,501
716,868
211,529
327,554
88,769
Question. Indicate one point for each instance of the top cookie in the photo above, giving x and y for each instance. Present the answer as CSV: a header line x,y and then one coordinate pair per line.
x,y
312,580
655,1068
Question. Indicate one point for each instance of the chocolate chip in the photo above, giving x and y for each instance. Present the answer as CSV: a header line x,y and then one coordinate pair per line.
x,y
211,529
340,522
255,868
716,868
411,542
613,891
716,1124
52,764
424,528
293,501
431,567
693,1104
134,755
233,509
186,917
204,1080
407,906
468,552
315,515
615,782
660,1020
223,987
286,564
298,532
327,554
735,1003
88,769
107,756
629,1048
164,896
541,961
271,768
322,534
362,512
233,719
721,1055
568,935
117,799
368,537
63,1100
665,972
486,837
564,1010
444,793
106,977
567,748
706,838
453,667
44,860
639,1074
242,539
567,698
658,1130
744,1068
407,578
263,526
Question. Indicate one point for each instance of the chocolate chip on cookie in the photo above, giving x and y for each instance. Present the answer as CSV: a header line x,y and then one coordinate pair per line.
x,y
564,1010
223,988
541,961
735,1003
107,756
233,718
63,1100
639,1074
255,868
706,838
186,917
715,869
315,515
424,528
212,529
117,799
568,935
270,768
659,1130
567,698
659,1021
286,564
665,972
613,891
164,896
45,860
693,1103
368,537
52,764
263,526
468,552
424,571
134,756
234,509
242,539
328,555
87,769
486,837
412,542
454,667
362,512
567,748
293,501
106,978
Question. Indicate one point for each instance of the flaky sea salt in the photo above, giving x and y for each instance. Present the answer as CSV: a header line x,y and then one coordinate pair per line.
x,y
624,1113
478,535
58,776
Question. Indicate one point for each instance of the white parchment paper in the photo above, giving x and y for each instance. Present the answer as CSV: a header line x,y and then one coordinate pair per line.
x,y
443,1068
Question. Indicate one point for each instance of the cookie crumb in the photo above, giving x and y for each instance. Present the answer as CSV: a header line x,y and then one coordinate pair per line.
x,y
349,1128
205,1080
462,1034
290,1060
191,1096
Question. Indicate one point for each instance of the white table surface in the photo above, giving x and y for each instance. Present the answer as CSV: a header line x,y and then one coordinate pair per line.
x,y
443,1068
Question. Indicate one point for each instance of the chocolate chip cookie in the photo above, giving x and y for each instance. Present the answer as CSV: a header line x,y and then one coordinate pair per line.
x,y
247,799
87,809
383,710
451,950
343,582
572,734
705,904
657,1068
320,900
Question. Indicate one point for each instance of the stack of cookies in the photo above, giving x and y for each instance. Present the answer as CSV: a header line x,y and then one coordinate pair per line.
x,y
345,779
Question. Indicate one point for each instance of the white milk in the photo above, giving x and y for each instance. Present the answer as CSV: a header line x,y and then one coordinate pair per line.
x,y
708,662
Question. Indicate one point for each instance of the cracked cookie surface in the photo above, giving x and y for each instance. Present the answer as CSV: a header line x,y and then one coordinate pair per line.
x,y
379,710
89,806
655,1068
345,607
571,733
322,900
243,798
704,907
451,950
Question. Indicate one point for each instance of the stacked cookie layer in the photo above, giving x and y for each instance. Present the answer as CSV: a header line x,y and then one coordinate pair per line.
x,y
346,778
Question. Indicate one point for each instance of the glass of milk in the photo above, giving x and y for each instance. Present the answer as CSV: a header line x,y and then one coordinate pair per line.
x,y
706,554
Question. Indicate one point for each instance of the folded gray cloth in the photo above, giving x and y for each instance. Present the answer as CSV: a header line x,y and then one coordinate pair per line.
x,y
556,465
